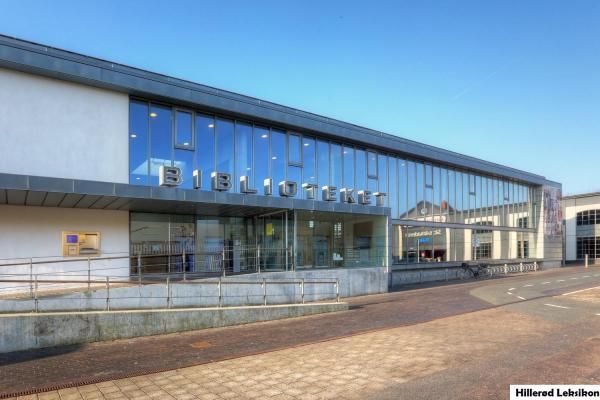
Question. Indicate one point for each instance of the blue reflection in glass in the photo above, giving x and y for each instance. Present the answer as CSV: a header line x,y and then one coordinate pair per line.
x,y
225,159
323,163
243,154
138,143
383,176
261,156
278,159
205,138
183,131
348,167
336,165
361,170
184,160
393,190
160,140
309,152
295,151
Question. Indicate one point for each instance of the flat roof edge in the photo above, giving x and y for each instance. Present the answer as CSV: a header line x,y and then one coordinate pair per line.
x,y
36,58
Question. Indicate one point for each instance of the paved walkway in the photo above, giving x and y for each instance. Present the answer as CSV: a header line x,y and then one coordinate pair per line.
x,y
347,368
343,363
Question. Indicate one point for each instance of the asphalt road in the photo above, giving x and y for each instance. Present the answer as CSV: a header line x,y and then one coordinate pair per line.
x,y
531,294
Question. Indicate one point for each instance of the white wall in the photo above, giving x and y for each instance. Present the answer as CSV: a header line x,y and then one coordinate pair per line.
x,y
570,209
53,128
37,232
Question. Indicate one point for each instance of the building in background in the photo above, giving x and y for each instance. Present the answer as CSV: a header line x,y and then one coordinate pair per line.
x,y
100,159
582,227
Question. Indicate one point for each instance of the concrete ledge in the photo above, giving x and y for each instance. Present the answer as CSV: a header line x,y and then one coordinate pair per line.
x,y
33,331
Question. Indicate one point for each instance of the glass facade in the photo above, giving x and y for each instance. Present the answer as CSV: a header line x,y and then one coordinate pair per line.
x,y
415,190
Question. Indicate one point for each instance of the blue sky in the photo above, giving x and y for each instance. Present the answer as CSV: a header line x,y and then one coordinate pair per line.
x,y
514,82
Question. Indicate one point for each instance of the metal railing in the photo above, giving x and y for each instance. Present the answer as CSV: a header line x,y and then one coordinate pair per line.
x,y
166,294
506,269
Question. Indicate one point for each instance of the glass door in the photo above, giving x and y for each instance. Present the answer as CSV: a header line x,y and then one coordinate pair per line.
x,y
272,241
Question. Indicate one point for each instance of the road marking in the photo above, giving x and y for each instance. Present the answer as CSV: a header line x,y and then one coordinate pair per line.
x,y
527,285
512,288
598,315
573,278
508,293
522,298
545,283
582,290
587,276
560,280
554,305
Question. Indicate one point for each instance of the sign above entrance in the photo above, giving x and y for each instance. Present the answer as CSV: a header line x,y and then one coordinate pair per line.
x,y
222,182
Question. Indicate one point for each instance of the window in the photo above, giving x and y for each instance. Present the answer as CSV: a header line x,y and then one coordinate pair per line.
x,y
243,154
205,137
278,161
138,143
261,156
361,170
372,164
183,130
383,175
323,163
523,222
160,140
294,150
588,246
588,217
310,172
225,156
348,153
336,165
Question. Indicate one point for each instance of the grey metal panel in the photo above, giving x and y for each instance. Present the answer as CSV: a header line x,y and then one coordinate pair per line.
x,y
53,199
125,190
12,181
16,197
70,200
92,187
35,198
50,184
2,196
88,200
103,201
120,203
31,57
408,222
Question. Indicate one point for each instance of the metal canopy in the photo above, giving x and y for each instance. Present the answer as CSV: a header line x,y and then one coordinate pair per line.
x,y
24,190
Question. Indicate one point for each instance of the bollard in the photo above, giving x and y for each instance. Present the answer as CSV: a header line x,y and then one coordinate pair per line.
x,y
264,285
89,262
521,266
168,292
258,258
302,289
535,267
586,260
223,262
35,293
337,290
31,277
184,266
505,269
220,293
139,268
107,294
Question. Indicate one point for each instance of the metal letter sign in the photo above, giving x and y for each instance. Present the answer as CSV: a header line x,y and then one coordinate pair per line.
x,y
169,176
288,188
245,185
220,181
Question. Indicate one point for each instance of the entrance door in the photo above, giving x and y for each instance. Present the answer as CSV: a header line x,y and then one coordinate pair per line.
x,y
272,240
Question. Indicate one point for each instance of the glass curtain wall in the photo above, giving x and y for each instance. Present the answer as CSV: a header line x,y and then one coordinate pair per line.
x,y
416,190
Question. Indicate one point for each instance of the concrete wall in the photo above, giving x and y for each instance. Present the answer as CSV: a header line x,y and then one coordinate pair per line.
x,y
37,232
32,331
236,291
54,128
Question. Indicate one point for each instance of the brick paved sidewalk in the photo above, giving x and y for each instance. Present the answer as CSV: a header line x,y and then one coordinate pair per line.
x,y
346,368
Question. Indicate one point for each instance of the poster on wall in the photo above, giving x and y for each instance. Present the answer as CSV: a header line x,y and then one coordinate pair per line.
x,y
552,211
